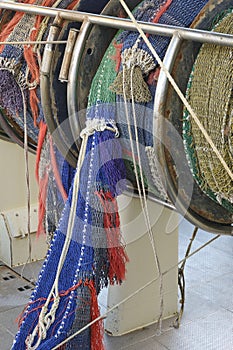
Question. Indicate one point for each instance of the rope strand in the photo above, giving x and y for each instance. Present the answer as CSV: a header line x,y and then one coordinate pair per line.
x,y
33,42
102,317
46,319
177,89
27,178
143,197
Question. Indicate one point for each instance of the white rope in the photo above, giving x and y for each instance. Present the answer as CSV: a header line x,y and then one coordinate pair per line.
x,y
143,198
31,42
46,319
26,160
178,91
27,180
96,124
135,293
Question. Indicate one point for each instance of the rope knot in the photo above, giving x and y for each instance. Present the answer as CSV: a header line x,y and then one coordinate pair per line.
x,y
137,64
136,57
93,125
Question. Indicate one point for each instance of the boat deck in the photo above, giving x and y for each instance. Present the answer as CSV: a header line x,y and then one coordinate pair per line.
x,y
207,322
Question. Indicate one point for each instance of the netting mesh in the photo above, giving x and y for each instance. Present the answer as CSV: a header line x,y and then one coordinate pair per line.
x,y
88,236
210,95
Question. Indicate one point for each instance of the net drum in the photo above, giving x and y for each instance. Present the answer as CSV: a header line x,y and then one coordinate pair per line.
x,y
80,88
165,166
16,107
64,98
117,83
72,88
188,170
10,128
83,96
54,78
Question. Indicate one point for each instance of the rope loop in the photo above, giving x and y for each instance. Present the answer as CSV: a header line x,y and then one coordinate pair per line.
x,y
94,125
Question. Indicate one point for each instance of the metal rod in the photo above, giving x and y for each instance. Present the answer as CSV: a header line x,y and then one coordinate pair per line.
x,y
160,97
121,23
132,191
48,50
63,76
29,42
72,81
46,99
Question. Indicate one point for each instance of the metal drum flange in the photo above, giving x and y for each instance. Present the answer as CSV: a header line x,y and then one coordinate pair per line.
x,y
9,129
63,100
184,192
90,46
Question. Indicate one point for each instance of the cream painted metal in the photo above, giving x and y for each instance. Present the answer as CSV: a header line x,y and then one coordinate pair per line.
x,y
143,309
12,177
14,243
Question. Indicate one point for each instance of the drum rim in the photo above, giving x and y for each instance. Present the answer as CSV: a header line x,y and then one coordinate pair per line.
x,y
9,133
46,82
192,214
13,135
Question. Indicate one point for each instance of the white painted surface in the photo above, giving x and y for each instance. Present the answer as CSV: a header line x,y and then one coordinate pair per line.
x,y
13,192
143,309
14,242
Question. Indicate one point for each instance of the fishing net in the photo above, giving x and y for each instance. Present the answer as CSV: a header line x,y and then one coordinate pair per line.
x,y
87,252
209,93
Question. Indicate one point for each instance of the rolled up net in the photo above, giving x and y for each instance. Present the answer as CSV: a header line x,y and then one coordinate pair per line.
x,y
209,93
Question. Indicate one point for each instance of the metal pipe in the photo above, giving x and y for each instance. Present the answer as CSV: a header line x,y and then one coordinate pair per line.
x,y
64,71
160,97
72,81
132,191
48,50
121,23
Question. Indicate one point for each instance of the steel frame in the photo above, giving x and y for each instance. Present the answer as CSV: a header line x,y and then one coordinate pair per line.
x,y
120,23
178,34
